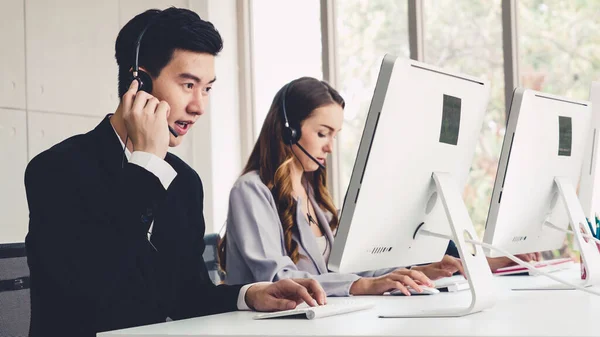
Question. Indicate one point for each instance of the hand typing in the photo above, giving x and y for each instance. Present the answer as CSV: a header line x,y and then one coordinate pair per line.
x,y
285,294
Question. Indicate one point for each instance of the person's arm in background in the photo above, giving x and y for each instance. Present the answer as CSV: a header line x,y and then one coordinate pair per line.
x,y
495,263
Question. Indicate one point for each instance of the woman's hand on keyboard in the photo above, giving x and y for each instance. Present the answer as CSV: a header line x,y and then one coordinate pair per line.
x,y
285,294
445,268
398,279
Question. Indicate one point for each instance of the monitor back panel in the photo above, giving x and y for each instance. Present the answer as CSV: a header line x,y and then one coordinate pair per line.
x,y
422,119
545,138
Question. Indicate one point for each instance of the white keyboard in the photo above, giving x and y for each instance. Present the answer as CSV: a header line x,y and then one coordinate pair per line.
x,y
304,311
452,283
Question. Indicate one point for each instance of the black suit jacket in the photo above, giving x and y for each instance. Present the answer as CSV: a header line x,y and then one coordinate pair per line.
x,y
92,267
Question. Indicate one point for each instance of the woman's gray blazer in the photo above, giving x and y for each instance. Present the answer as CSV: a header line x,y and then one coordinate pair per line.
x,y
255,243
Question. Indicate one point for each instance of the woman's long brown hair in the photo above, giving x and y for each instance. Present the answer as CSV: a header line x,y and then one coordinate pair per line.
x,y
273,159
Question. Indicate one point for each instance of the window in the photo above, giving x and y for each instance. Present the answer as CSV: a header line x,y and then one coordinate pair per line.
x,y
365,32
559,49
466,36
559,54
286,44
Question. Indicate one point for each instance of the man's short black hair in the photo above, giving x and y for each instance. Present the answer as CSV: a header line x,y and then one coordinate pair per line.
x,y
170,29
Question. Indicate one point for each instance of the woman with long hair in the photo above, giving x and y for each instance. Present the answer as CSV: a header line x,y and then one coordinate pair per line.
x,y
281,218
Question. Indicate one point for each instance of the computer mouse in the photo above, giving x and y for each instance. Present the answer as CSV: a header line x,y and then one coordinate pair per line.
x,y
426,291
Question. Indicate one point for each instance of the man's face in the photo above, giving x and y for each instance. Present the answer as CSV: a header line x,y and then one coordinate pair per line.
x,y
185,83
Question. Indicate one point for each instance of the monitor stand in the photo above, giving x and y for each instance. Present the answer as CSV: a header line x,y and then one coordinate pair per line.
x,y
475,265
590,254
588,248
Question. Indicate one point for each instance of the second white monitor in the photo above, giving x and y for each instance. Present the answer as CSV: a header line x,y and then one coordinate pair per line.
x,y
545,138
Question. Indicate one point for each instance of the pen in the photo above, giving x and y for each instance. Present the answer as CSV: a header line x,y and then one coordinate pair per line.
x,y
597,227
592,231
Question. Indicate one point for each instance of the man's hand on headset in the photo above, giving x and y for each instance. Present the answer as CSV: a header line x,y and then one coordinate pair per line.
x,y
146,121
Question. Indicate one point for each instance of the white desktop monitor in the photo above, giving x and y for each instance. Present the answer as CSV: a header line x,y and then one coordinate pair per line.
x,y
545,138
422,119
589,186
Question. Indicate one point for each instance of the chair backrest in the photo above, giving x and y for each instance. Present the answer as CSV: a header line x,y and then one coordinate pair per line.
x,y
210,257
15,307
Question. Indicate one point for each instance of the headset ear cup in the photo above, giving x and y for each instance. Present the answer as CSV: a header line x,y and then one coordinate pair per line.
x,y
146,81
296,133
290,135
287,136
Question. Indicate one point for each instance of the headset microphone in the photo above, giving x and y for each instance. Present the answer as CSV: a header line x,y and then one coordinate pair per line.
x,y
310,156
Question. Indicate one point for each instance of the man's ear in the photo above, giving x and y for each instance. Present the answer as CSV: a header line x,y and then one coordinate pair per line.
x,y
144,70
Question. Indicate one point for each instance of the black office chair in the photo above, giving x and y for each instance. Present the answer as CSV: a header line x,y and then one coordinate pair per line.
x,y
210,257
15,307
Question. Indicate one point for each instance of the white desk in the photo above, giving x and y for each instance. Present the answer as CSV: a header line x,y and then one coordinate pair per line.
x,y
516,313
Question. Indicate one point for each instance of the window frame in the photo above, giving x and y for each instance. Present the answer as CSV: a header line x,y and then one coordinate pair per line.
x,y
330,67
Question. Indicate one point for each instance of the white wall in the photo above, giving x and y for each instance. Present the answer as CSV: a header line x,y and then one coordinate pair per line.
x,y
13,121
58,77
217,152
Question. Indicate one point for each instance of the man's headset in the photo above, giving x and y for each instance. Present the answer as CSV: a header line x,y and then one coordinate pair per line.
x,y
291,135
144,80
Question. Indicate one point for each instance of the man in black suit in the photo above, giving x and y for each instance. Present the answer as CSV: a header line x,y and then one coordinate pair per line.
x,y
116,232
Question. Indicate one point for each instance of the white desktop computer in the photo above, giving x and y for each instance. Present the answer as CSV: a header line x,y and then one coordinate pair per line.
x,y
534,199
589,193
412,165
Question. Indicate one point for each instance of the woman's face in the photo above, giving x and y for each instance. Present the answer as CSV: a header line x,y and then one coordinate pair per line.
x,y
318,132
